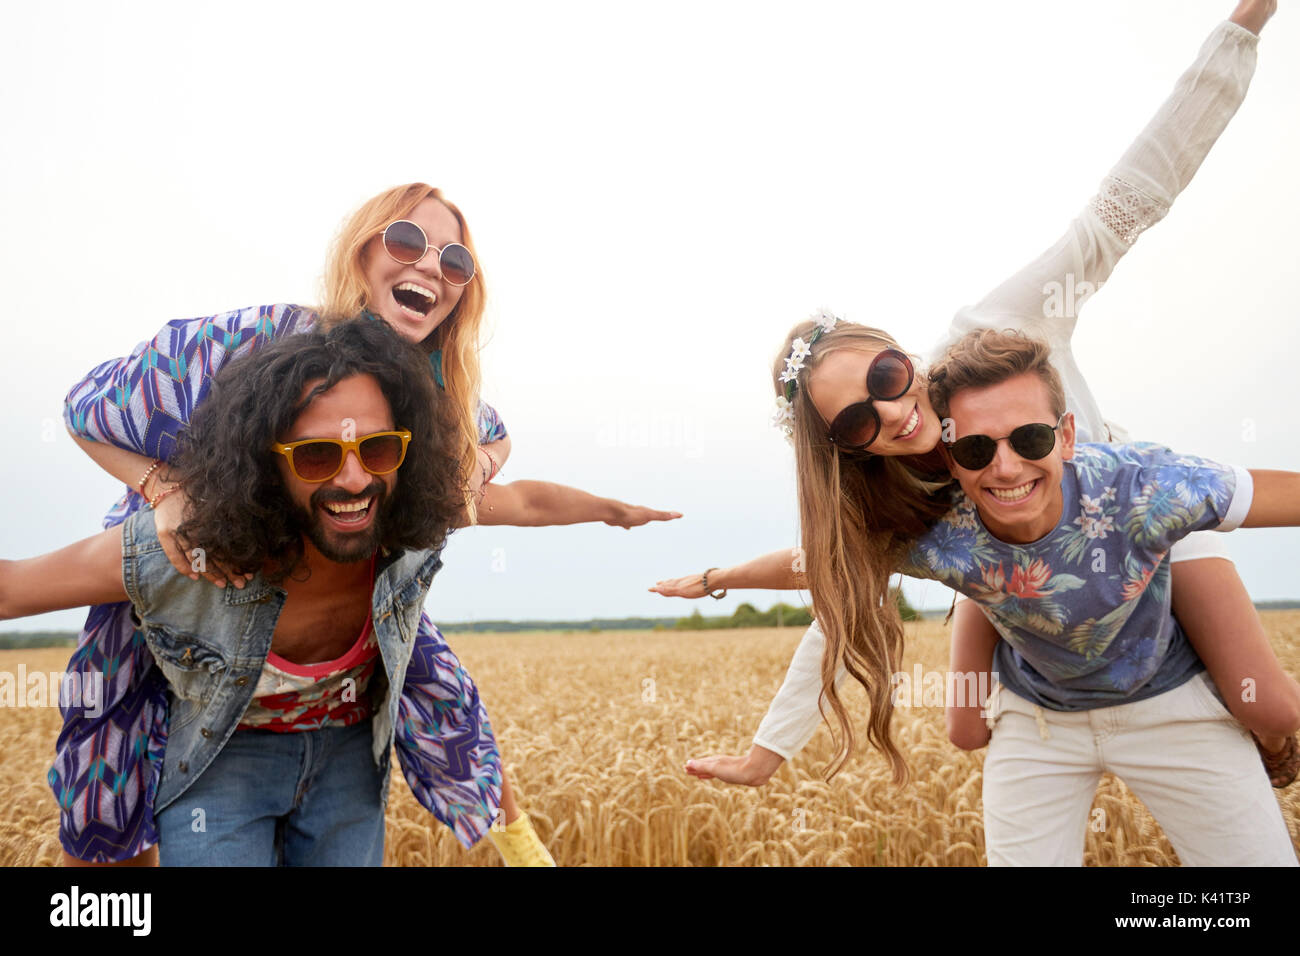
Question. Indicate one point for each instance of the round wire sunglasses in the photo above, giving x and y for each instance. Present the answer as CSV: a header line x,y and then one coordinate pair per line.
x,y
405,242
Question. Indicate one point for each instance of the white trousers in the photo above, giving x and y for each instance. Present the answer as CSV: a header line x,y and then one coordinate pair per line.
x,y
1182,753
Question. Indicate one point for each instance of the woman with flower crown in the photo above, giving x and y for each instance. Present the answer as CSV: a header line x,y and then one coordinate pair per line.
x,y
820,374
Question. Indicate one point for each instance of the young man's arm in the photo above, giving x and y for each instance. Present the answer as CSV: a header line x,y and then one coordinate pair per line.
x,y
973,642
80,575
1275,500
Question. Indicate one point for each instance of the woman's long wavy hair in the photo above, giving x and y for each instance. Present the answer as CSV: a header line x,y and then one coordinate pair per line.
x,y
856,514
240,511
345,294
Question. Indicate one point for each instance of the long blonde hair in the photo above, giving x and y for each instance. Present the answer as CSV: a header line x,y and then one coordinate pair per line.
x,y
856,514
345,292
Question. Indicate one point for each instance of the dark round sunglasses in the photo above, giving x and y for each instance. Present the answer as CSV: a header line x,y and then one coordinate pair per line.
x,y
889,377
1031,442
406,243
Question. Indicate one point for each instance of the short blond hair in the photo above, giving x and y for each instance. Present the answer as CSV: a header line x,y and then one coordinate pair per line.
x,y
990,357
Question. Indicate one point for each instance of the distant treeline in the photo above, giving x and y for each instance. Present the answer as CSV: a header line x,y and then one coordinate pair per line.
x,y
598,624
20,640
779,615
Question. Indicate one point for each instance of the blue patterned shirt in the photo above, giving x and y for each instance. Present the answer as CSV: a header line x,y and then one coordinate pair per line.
x,y
1084,612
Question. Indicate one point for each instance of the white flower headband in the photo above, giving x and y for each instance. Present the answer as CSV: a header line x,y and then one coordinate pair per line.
x,y
799,349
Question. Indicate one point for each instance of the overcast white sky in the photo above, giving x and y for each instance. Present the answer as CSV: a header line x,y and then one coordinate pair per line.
x,y
657,193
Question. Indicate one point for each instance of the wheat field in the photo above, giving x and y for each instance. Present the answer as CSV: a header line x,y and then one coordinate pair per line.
x,y
595,727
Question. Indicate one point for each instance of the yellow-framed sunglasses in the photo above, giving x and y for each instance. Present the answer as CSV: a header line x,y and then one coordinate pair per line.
x,y
320,459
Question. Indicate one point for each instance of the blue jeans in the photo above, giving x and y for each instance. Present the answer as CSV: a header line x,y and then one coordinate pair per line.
x,y
281,799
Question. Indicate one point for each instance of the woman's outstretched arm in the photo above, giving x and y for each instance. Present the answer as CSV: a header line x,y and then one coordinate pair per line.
x,y
544,503
777,571
80,575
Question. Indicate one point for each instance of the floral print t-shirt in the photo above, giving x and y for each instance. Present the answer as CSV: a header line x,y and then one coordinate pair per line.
x,y
1084,611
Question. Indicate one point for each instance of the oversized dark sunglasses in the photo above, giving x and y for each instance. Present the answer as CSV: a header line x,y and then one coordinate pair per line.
x,y
1030,442
889,377
406,242
320,459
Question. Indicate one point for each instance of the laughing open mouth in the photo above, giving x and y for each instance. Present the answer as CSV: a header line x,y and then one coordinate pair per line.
x,y
415,299
350,511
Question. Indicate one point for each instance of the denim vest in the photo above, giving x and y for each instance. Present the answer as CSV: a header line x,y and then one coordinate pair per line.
x,y
211,643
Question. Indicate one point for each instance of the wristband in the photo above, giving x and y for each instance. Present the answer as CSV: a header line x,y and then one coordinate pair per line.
x,y
153,502
139,485
717,594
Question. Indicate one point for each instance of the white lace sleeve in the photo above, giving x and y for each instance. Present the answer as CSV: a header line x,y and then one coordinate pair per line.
x,y
1126,210
795,712
1045,296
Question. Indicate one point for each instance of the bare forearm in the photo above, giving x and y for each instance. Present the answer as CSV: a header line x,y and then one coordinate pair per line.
x,y
778,571
82,574
1253,14
537,503
1275,502
125,466
970,663
499,450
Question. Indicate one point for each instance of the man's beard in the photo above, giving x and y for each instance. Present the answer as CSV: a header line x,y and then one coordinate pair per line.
x,y
357,546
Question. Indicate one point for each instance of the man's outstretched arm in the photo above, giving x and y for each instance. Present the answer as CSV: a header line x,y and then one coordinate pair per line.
x,y
1275,500
80,575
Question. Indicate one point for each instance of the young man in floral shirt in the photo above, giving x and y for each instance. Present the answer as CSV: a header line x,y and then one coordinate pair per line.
x,y
1065,548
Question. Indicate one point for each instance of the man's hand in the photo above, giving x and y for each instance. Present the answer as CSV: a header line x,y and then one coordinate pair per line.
x,y
633,516
966,728
752,770
1253,14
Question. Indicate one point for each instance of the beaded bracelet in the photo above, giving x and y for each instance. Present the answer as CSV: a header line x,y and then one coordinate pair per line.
x,y
153,502
717,595
157,463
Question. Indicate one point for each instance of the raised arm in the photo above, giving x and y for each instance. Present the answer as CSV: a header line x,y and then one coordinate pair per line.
x,y
141,401
1046,295
80,575
1253,14
127,412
